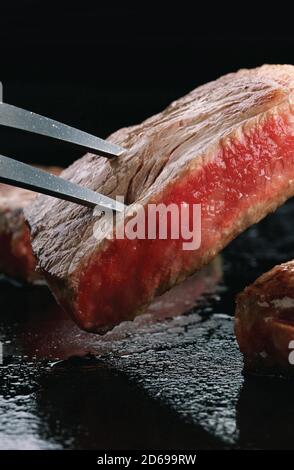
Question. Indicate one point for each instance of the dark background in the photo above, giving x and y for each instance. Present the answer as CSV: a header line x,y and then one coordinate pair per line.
x,y
103,65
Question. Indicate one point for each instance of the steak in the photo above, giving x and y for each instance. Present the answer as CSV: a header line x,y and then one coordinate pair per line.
x,y
16,256
264,323
228,145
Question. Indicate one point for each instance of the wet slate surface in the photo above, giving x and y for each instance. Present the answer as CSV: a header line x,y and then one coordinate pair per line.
x,y
171,383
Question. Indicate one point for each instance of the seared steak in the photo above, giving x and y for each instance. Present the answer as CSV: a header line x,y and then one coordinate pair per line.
x,y
16,256
228,145
264,321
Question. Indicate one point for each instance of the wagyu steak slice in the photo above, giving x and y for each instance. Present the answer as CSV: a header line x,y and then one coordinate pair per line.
x,y
16,256
228,145
264,322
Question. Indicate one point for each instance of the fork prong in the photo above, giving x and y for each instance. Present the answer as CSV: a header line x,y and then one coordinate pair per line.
x,y
19,118
25,176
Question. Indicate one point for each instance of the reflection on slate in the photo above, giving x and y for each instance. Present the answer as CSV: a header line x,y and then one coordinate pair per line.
x,y
107,410
172,383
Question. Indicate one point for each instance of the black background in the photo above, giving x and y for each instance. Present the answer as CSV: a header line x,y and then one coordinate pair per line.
x,y
103,65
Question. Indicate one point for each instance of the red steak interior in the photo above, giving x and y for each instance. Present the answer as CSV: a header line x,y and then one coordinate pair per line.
x,y
243,175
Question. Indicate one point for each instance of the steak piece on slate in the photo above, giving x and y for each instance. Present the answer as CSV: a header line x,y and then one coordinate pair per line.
x,y
16,256
228,145
264,322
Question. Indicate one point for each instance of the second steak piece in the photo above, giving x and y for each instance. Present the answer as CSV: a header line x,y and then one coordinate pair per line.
x,y
264,322
16,257
228,145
